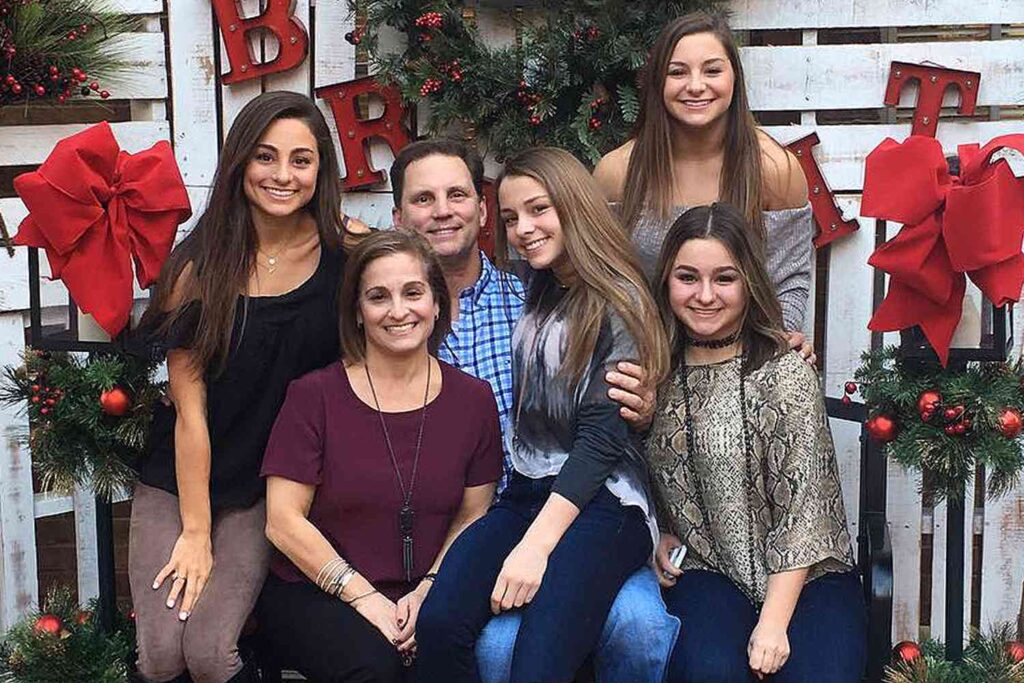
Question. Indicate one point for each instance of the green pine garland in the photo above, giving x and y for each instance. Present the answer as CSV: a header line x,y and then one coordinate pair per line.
x,y
56,50
892,386
73,441
986,660
570,82
63,643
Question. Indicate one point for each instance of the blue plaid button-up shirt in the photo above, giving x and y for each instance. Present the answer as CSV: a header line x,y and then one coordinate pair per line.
x,y
480,342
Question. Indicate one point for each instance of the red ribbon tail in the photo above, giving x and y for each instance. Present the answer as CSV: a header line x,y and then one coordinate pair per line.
x,y
904,307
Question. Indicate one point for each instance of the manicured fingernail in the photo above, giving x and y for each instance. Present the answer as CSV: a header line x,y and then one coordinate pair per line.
x,y
170,603
155,585
183,615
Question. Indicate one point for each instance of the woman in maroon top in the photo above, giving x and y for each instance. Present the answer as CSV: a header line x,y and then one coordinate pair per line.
x,y
375,465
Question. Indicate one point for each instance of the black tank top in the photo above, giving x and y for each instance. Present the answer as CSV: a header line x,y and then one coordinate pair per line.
x,y
283,338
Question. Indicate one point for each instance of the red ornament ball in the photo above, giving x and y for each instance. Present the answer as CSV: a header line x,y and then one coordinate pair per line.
x,y
846,400
47,623
906,651
882,428
104,94
1015,651
83,617
1009,423
115,402
928,400
850,387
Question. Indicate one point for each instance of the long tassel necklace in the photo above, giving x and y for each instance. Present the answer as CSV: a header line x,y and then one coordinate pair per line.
x,y
691,446
406,514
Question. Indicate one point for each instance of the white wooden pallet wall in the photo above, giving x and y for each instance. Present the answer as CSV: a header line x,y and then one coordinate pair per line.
x,y
176,95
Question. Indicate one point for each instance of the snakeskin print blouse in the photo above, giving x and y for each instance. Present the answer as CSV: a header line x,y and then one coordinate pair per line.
x,y
796,503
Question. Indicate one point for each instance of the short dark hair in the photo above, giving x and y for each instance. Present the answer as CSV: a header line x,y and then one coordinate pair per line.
x,y
378,245
446,147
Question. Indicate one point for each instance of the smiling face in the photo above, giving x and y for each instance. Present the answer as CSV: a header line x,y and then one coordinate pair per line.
x,y
440,203
280,178
396,305
706,289
532,225
699,81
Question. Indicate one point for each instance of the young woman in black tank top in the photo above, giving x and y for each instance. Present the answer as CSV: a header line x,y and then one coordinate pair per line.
x,y
245,304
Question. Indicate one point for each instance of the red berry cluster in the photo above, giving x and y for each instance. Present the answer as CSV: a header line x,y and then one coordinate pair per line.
x,y
529,100
594,123
849,388
45,398
55,82
453,70
431,85
429,20
955,421
591,33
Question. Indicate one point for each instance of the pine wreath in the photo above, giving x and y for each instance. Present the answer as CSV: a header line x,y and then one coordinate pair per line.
x,y
570,81
944,421
993,658
88,416
64,643
56,49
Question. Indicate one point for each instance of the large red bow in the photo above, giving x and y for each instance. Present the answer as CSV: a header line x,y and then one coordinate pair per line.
x,y
972,223
95,209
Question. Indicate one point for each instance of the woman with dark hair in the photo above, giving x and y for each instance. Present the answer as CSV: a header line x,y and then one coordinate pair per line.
x,y
244,305
696,142
375,465
745,475
574,521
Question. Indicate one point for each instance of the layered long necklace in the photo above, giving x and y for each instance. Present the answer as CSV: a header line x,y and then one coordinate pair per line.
x,y
691,450
406,514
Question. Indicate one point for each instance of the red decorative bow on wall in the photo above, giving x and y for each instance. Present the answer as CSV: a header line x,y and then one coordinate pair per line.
x,y
95,209
972,224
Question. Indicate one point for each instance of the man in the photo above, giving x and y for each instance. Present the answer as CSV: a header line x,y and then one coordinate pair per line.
x,y
438,192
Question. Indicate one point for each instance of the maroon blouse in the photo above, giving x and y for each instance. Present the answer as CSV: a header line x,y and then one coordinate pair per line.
x,y
326,436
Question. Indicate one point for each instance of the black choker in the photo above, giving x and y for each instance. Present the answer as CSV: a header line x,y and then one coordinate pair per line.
x,y
714,343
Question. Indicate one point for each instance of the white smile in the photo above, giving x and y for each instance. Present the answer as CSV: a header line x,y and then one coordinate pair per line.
x,y
399,329
278,193
536,244
444,232
697,104
705,313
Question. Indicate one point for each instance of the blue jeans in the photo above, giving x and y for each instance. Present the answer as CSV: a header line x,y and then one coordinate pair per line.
x,y
827,634
604,545
634,646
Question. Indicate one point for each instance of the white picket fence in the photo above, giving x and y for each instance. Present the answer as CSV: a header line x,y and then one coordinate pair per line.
x,y
175,94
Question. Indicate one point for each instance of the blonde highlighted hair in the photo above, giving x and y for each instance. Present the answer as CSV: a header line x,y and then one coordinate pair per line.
x,y
608,274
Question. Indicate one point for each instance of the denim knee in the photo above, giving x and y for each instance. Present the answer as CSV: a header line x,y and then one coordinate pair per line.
x,y
638,635
495,645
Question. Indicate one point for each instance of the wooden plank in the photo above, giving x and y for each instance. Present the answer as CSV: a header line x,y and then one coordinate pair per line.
x,y
373,208
1002,571
497,26
849,308
194,94
85,544
805,77
25,145
771,14
335,56
137,6
145,74
297,79
234,97
903,511
843,149
14,283
19,590
846,437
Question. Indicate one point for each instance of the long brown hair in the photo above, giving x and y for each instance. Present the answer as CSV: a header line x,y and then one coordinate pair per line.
x,y
220,252
375,246
761,331
650,177
608,275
